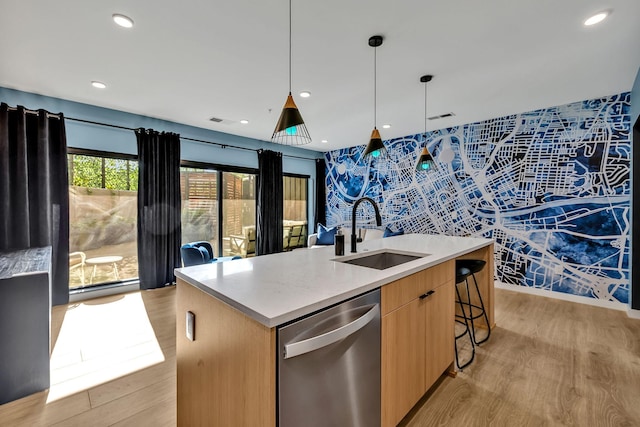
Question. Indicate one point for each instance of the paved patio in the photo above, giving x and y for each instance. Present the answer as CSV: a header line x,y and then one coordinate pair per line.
x,y
127,268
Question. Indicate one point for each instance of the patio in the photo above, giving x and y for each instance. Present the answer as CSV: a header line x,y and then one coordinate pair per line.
x,y
127,267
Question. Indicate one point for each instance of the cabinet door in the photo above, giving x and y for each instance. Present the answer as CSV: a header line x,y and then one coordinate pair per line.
x,y
402,291
439,331
403,361
227,375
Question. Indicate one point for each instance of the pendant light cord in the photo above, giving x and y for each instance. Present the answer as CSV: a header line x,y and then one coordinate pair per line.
x,y
375,79
289,47
425,113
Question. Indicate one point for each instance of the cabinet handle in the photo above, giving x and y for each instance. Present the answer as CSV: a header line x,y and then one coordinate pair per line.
x,y
427,294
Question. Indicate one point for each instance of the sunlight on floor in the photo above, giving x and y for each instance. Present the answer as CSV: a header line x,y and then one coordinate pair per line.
x,y
101,341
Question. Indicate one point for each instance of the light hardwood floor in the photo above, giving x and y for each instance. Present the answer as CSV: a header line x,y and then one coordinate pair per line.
x,y
123,338
548,362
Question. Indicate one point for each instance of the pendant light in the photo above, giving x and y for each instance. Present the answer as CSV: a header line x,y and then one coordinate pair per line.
x,y
375,148
425,161
290,129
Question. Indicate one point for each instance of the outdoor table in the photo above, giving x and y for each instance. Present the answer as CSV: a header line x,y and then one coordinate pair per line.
x,y
104,260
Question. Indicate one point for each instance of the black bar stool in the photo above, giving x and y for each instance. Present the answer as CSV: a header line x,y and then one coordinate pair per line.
x,y
474,266
461,277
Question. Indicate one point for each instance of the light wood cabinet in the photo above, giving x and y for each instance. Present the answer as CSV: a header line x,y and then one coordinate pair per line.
x,y
417,337
227,375
400,292
403,364
439,332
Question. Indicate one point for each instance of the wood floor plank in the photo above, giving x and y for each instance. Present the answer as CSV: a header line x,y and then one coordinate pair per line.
x,y
126,385
163,414
34,411
124,407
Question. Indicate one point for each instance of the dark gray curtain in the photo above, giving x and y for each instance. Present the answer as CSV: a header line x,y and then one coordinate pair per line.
x,y
321,196
34,189
158,207
270,203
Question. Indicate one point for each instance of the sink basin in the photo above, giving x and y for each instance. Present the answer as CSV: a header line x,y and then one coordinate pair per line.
x,y
382,260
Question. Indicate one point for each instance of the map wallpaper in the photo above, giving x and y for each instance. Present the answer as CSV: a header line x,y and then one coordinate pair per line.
x,y
551,187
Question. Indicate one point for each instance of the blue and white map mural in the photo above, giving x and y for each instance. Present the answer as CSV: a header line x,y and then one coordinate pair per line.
x,y
551,186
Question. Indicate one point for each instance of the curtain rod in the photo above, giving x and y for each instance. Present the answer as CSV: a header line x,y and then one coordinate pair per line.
x,y
185,138
36,112
57,116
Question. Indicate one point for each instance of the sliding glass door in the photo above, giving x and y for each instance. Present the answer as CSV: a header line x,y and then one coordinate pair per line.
x,y
199,192
295,212
219,206
102,218
239,214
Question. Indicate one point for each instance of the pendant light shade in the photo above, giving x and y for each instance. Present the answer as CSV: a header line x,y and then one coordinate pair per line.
x,y
425,161
375,149
290,129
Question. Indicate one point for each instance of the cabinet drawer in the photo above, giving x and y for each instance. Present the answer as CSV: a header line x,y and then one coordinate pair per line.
x,y
402,291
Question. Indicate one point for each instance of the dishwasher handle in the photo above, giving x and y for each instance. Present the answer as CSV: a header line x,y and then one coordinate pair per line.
x,y
314,343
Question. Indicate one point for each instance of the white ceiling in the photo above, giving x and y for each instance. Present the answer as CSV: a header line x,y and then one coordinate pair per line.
x,y
187,61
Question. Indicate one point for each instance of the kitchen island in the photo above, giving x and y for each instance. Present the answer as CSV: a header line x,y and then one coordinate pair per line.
x,y
227,374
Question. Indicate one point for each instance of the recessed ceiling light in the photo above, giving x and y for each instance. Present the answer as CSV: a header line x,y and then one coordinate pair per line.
x,y
123,21
244,121
597,18
386,126
324,141
305,94
98,84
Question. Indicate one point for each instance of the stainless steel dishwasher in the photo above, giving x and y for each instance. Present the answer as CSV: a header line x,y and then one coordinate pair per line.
x,y
329,366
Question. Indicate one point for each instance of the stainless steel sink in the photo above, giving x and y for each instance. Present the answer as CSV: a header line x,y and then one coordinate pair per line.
x,y
382,260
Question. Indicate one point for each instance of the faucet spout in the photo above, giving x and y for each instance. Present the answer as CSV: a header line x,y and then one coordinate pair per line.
x,y
353,220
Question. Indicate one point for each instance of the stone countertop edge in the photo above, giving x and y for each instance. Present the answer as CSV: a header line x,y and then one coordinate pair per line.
x,y
276,289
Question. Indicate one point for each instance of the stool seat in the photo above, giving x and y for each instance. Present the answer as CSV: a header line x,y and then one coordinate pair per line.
x,y
462,273
475,265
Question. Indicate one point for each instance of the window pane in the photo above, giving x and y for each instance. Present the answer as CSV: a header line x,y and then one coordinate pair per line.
x,y
199,192
86,171
102,220
238,214
119,175
295,212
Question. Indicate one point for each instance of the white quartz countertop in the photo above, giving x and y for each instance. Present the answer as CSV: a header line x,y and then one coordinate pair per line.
x,y
275,289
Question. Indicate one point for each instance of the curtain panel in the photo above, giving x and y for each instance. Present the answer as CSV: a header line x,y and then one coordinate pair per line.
x,y
269,232
34,189
321,194
159,227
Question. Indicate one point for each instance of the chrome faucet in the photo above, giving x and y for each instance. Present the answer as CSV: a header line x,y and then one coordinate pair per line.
x,y
353,219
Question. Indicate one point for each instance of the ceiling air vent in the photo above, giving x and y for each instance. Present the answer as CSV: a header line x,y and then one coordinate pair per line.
x,y
215,119
441,116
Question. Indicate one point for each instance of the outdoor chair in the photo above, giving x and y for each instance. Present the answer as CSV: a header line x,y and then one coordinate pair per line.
x,y
297,237
244,244
77,262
